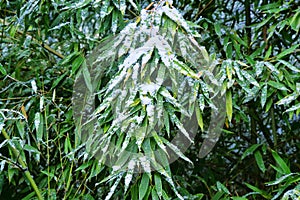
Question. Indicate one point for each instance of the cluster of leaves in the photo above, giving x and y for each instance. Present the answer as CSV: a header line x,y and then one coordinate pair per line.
x,y
44,43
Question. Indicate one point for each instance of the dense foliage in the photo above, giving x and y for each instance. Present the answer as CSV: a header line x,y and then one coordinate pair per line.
x,y
60,57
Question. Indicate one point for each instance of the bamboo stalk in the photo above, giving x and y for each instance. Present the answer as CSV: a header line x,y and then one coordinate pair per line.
x,y
24,166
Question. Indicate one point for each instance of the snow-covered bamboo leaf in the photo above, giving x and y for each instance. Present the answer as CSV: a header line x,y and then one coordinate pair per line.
x,y
281,179
271,67
288,99
174,15
176,150
295,107
114,186
249,78
129,174
180,126
259,67
290,66
263,98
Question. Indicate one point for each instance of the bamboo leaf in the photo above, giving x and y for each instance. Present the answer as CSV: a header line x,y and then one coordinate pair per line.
x,y
290,66
176,150
295,107
280,180
288,99
250,150
129,174
259,161
158,185
199,117
2,69
271,67
287,51
229,105
263,98
222,187
114,186
281,162
144,186
277,85
259,191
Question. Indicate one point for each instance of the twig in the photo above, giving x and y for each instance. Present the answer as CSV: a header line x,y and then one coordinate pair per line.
x,y
199,13
149,6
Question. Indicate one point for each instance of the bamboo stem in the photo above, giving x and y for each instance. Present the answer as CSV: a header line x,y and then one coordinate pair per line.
x,y
24,166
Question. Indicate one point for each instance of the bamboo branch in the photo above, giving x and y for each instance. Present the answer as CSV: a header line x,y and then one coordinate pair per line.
x,y
25,168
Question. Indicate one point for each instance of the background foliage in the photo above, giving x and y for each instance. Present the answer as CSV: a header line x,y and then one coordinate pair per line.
x,y
44,43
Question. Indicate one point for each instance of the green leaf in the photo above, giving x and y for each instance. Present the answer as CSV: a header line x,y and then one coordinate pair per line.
x,y
268,53
199,117
288,99
259,161
271,67
238,39
287,51
290,66
229,69
295,21
262,23
165,196
176,150
154,194
259,67
113,187
31,149
58,80
295,107
87,77
229,105
218,29
259,191
269,104
129,175
84,165
249,78
222,187
269,6
263,98
277,85
77,63
143,186
158,184
2,70
280,180
69,58
281,162
38,122
250,150
239,198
